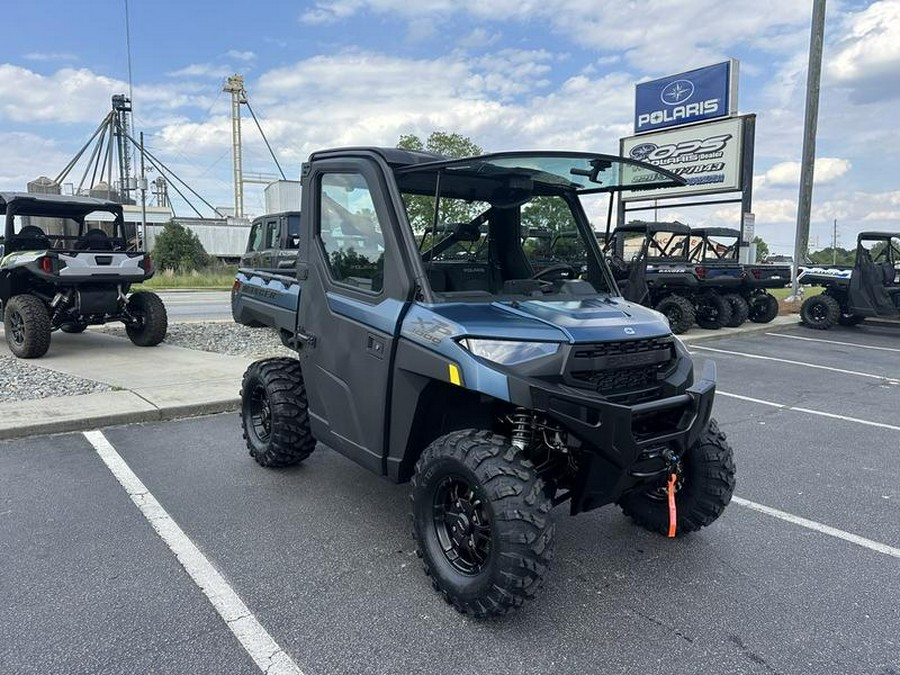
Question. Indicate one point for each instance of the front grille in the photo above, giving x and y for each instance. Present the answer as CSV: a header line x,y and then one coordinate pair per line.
x,y
628,371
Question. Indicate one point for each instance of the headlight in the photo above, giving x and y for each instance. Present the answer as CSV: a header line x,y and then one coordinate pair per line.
x,y
508,352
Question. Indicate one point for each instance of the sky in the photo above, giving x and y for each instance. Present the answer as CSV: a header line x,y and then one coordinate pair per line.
x,y
510,74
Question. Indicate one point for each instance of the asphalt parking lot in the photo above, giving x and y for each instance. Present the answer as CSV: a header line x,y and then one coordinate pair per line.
x,y
800,575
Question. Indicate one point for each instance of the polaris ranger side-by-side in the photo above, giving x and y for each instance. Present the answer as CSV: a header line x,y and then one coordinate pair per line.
x,y
652,262
717,247
432,350
71,280
870,289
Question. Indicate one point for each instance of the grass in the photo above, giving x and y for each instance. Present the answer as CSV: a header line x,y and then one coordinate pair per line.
x,y
220,277
784,293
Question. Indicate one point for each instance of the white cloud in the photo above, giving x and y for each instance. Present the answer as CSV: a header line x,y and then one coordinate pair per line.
x,y
205,70
827,170
50,56
241,55
867,60
69,95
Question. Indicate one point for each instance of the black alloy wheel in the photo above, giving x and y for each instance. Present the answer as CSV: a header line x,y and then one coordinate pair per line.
x,y
259,415
462,525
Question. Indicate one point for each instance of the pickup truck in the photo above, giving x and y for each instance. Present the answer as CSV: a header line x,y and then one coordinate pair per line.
x,y
437,349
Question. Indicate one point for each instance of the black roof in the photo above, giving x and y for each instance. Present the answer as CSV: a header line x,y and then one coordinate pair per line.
x,y
393,156
676,227
716,232
878,235
54,206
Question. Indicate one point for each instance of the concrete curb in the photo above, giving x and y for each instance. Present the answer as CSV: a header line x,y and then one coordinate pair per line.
x,y
748,328
86,422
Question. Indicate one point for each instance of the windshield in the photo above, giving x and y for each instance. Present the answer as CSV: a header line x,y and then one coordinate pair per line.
x,y
582,172
496,232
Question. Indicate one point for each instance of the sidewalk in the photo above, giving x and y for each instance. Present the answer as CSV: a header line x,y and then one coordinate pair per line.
x,y
164,382
149,384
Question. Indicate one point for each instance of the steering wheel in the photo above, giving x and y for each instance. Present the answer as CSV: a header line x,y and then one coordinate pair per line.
x,y
556,271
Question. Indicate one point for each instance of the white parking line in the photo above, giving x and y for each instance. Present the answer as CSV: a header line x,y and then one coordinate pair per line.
x,y
833,342
257,642
808,411
889,380
819,527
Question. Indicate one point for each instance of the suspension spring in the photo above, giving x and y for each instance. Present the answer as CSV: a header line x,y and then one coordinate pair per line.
x,y
522,428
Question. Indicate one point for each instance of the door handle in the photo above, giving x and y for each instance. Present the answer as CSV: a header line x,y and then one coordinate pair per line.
x,y
305,340
375,346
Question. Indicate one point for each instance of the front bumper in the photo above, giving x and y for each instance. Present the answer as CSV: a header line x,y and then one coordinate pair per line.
x,y
618,439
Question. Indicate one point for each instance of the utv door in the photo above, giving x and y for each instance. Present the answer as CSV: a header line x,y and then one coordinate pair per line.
x,y
868,294
350,307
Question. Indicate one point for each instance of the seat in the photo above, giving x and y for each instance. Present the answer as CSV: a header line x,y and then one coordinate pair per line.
x,y
31,238
94,240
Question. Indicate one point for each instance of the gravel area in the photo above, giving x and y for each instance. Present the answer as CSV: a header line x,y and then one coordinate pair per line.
x,y
221,337
26,380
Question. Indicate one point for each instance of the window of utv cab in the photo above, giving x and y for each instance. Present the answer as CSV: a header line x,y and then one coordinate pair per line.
x,y
350,232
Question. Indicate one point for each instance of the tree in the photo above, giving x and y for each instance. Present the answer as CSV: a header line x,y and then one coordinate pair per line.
x,y
177,248
452,145
827,256
762,249
420,208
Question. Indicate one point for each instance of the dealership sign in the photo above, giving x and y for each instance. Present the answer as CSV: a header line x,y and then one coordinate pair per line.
x,y
695,96
708,156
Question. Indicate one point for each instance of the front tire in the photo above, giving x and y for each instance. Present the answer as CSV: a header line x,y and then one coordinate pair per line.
x,y
740,309
679,311
27,325
275,413
712,311
151,321
482,522
820,312
704,488
763,308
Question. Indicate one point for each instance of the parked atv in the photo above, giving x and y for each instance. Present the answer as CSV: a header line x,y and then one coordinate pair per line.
x,y
70,281
447,353
717,247
652,264
870,289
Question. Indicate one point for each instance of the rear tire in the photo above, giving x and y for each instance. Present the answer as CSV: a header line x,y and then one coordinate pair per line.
x,y
706,487
740,309
275,413
712,311
820,312
763,308
27,325
152,321
482,522
679,311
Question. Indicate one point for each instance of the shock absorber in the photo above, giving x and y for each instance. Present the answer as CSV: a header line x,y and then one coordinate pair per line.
x,y
522,428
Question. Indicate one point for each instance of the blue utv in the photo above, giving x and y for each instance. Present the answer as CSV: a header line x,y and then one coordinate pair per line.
x,y
433,347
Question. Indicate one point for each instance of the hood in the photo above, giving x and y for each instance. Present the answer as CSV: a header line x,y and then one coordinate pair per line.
x,y
595,319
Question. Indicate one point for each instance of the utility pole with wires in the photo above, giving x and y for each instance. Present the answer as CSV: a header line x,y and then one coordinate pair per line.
x,y
834,242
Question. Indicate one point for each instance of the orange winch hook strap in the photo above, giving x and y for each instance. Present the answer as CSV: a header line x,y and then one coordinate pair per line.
x,y
673,511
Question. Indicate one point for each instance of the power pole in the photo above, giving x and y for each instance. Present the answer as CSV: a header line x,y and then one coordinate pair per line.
x,y
235,86
834,244
807,166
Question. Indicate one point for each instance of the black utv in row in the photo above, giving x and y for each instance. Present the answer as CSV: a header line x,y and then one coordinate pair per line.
x,y
69,281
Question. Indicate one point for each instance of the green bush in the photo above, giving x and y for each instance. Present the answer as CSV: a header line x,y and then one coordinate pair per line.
x,y
177,248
